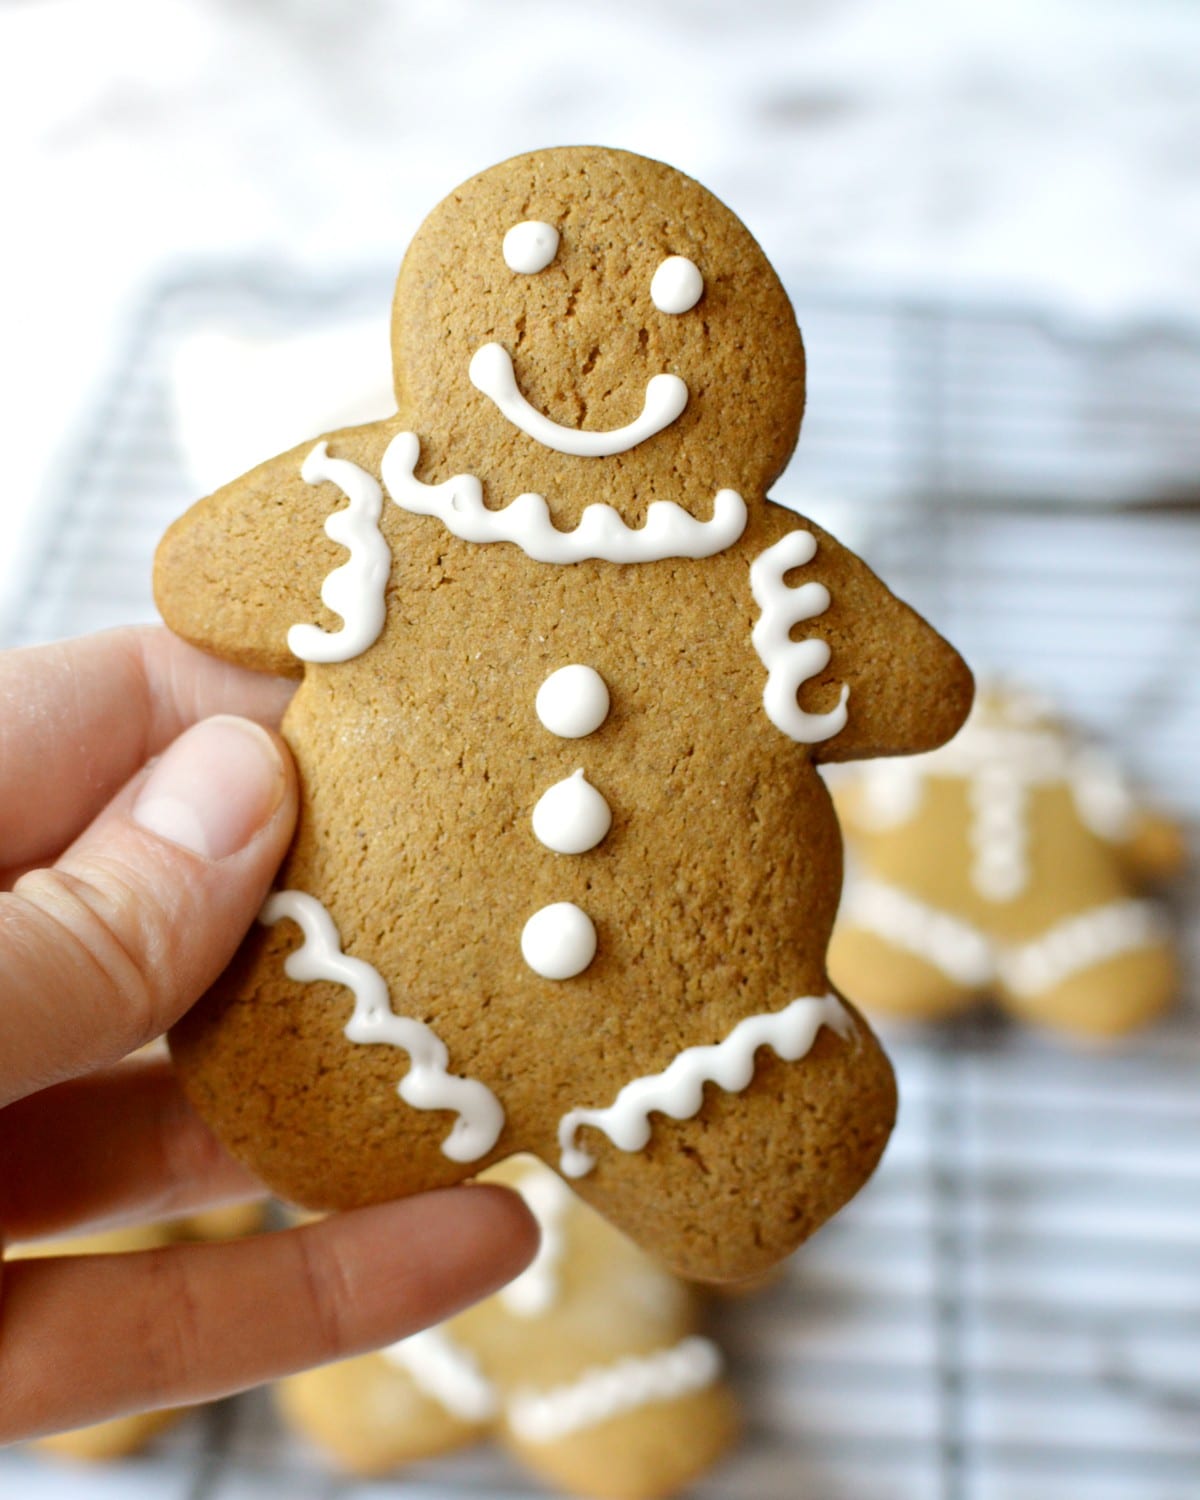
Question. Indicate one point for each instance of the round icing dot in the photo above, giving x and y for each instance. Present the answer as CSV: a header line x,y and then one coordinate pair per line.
x,y
676,285
559,941
530,246
572,702
572,816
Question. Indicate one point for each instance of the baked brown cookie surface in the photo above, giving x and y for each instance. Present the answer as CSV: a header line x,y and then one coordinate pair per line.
x,y
566,675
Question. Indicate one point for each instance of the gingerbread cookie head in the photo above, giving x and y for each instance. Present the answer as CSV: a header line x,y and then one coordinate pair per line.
x,y
604,320
1012,862
565,871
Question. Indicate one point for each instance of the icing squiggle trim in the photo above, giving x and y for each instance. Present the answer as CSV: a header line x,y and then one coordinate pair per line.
x,y
608,1391
790,663
491,371
356,589
458,503
428,1084
972,959
678,1091
535,1290
445,1372
1080,942
961,952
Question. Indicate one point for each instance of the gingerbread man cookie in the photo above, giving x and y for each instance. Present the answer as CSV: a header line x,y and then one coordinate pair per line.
x,y
565,872
591,1368
1010,862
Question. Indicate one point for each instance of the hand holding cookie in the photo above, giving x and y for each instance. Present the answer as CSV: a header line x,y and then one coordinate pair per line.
x,y
145,802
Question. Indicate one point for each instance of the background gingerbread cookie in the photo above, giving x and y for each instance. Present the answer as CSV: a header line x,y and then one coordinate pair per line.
x,y
566,675
1012,862
591,1368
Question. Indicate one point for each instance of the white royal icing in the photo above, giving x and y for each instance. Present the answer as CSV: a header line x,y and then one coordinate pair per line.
x,y
356,589
535,1290
428,1084
447,1373
530,247
1000,764
972,958
572,816
999,831
1080,942
491,371
606,1391
601,533
958,950
677,285
790,663
573,701
559,941
678,1091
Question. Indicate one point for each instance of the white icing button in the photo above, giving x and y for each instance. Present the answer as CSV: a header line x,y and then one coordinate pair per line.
x,y
559,941
573,702
572,817
530,247
677,285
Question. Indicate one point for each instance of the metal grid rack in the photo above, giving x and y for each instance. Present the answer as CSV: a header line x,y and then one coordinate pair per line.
x,y
1011,1311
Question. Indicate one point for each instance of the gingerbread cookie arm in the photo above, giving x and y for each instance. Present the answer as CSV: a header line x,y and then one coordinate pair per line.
x,y
1155,848
287,563
881,681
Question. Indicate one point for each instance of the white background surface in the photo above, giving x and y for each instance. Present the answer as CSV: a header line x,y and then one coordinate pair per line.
x,y
1039,146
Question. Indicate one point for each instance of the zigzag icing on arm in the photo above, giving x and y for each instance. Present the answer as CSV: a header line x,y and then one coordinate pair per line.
x,y
428,1084
356,589
604,1392
458,503
678,1091
790,663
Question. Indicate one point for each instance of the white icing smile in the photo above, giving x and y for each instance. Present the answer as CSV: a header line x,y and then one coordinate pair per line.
x,y
491,371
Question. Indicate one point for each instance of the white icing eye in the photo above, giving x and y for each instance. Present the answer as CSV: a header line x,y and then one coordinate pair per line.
x,y
530,246
677,285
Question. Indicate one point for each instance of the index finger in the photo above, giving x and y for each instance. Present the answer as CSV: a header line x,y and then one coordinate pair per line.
x,y
79,718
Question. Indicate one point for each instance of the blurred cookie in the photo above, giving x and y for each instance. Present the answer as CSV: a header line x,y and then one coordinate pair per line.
x,y
128,1434
590,1368
1012,862
565,872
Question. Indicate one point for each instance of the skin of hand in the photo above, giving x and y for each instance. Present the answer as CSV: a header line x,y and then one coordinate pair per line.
x,y
145,804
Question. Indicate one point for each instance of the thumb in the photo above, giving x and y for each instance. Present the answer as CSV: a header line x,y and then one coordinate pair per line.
x,y
105,950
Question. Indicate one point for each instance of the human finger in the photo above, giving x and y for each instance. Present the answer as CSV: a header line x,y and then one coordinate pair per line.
x,y
196,1322
79,718
117,1146
106,949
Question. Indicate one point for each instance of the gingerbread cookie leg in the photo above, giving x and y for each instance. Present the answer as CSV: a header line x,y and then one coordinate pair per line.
x,y
422,1397
1101,972
639,1427
900,956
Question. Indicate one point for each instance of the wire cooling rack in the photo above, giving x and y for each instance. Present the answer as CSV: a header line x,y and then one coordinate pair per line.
x,y
1011,1310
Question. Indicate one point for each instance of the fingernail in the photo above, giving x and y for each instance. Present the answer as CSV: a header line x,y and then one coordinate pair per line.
x,y
215,787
